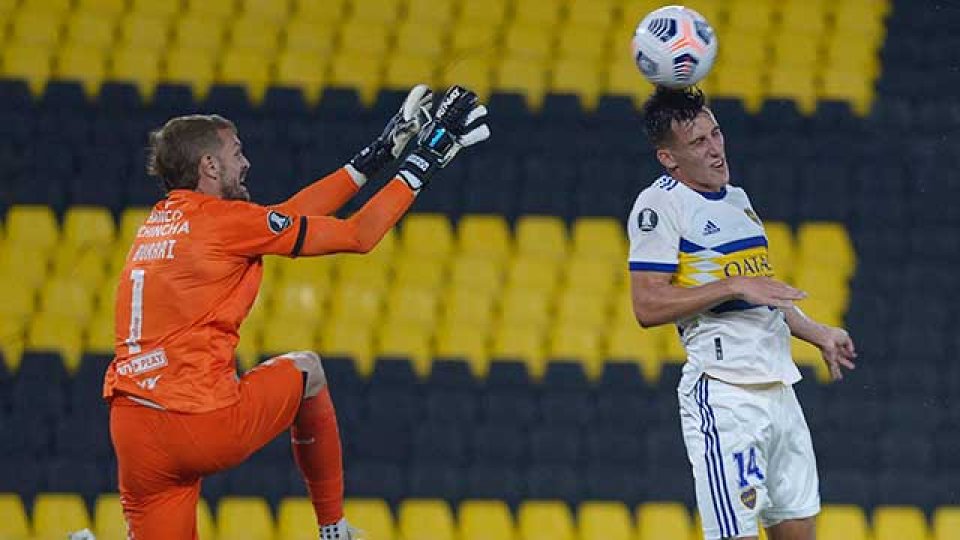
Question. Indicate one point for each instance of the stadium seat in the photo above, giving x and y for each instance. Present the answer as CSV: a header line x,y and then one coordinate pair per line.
x,y
37,27
468,69
604,521
354,69
108,520
532,42
58,333
541,236
244,518
599,237
484,236
412,342
579,77
900,523
305,37
415,40
138,66
373,515
87,227
577,342
426,235
826,243
533,274
246,67
67,298
281,335
545,520
355,302
55,514
485,520
836,522
194,67
33,226
143,32
419,273
524,76
488,14
457,339
295,518
426,518
946,522
407,70
89,30
591,16
663,520
582,309
14,526
411,306
348,339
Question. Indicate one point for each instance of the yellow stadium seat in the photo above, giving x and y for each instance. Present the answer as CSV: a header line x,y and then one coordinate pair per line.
x,y
407,70
577,76
108,520
23,266
599,237
131,219
468,306
18,301
415,40
86,65
163,10
281,335
99,335
594,276
299,301
206,527
946,523
781,246
303,70
14,524
267,10
376,11
141,31
745,51
579,343
824,284
36,27
485,520
56,514
349,339
419,272
246,68
840,56
580,43
12,340
541,236
85,266
515,342
305,36
733,82
791,82
477,273
296,519
604,521
360,71
595,16
860,20
433,13
523,75
88,227
473,41
488,14
624,79
545,520
67,298
198,33
656,520
211,9
533,273
800,52
525,307
473,69
28,62
750,15
899,523
90,30
412,342
426,235
106,8
372,516
138,66
191,66
244,518
426,518
457,339
541,13
357,303
634,344
826,243
798,16
848,86
583,308
485,236
412,306
842,522
329,13
364,38
257,36
248,347
529,42
365,270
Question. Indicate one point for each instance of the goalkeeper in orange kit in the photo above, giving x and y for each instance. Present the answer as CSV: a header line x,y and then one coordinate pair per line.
x,y
178,411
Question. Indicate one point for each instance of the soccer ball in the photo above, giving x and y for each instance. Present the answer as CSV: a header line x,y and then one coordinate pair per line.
x,y
674,46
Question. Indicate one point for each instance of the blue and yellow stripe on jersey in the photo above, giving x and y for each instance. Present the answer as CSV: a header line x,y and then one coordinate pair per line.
x,y
699,265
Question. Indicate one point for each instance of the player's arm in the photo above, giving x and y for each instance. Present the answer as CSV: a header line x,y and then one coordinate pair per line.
x,y
329,194
835,344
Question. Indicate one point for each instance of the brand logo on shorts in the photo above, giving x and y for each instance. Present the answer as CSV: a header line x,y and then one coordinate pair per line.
x,y
749,497
278,222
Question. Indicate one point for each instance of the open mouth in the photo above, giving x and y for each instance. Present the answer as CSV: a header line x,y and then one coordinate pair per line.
x,y
719,164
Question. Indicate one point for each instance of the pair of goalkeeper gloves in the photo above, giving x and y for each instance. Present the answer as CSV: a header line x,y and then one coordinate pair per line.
x,y
458,121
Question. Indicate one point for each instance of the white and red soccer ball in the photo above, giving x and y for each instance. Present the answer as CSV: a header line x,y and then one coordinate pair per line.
x,y
674,46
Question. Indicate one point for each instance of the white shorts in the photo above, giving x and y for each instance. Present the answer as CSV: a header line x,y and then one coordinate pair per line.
x,y
751,454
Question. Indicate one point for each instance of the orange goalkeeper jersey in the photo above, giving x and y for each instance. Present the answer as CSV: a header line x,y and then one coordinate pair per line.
x,y
193,273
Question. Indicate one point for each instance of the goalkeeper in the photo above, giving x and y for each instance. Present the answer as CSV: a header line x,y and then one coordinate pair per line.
x,y
178,412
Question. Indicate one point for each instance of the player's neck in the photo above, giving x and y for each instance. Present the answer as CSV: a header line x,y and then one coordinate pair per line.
x,y
699,186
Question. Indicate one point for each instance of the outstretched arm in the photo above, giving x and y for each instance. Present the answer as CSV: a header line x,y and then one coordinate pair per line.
x,y
835,344
325,196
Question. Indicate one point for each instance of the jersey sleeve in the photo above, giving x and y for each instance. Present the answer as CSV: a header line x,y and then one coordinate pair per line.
x,y
654,232
251,230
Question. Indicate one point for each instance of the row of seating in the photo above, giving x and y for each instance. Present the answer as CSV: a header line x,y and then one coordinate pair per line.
x,y
525,46
250,518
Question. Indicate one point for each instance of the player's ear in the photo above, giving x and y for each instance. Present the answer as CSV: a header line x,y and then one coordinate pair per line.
x,y
665,157
208,166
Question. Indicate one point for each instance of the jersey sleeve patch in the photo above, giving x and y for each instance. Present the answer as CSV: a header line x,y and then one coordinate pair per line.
x,y
278,222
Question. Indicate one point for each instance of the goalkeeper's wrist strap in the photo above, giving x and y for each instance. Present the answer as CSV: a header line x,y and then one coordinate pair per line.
x,y
418,168
372,159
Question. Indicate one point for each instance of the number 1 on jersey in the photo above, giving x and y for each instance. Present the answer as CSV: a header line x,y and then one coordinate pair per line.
x,y
136,310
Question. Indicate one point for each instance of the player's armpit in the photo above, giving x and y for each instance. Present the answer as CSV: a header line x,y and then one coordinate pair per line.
x,y
360,232
323,197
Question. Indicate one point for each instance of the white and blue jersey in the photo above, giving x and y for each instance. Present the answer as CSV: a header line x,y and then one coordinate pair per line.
x,y
699,238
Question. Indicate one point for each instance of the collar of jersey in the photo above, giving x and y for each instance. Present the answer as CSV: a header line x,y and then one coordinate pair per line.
x,y
713,195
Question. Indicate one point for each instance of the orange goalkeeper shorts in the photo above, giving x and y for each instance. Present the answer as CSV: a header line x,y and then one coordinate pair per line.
x,y
162,455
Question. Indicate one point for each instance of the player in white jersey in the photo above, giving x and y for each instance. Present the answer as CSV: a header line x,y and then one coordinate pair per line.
x,y
698,258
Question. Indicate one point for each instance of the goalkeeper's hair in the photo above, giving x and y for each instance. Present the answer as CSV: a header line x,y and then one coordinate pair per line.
x,y
669,105
175,149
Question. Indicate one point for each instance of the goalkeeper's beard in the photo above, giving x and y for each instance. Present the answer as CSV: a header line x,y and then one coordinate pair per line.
x,y
235,189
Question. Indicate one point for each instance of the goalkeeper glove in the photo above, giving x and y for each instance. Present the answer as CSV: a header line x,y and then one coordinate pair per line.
x,y
458,121
414,113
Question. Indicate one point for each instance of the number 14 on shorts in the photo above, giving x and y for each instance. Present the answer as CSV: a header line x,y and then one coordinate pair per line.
x,y
747,466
